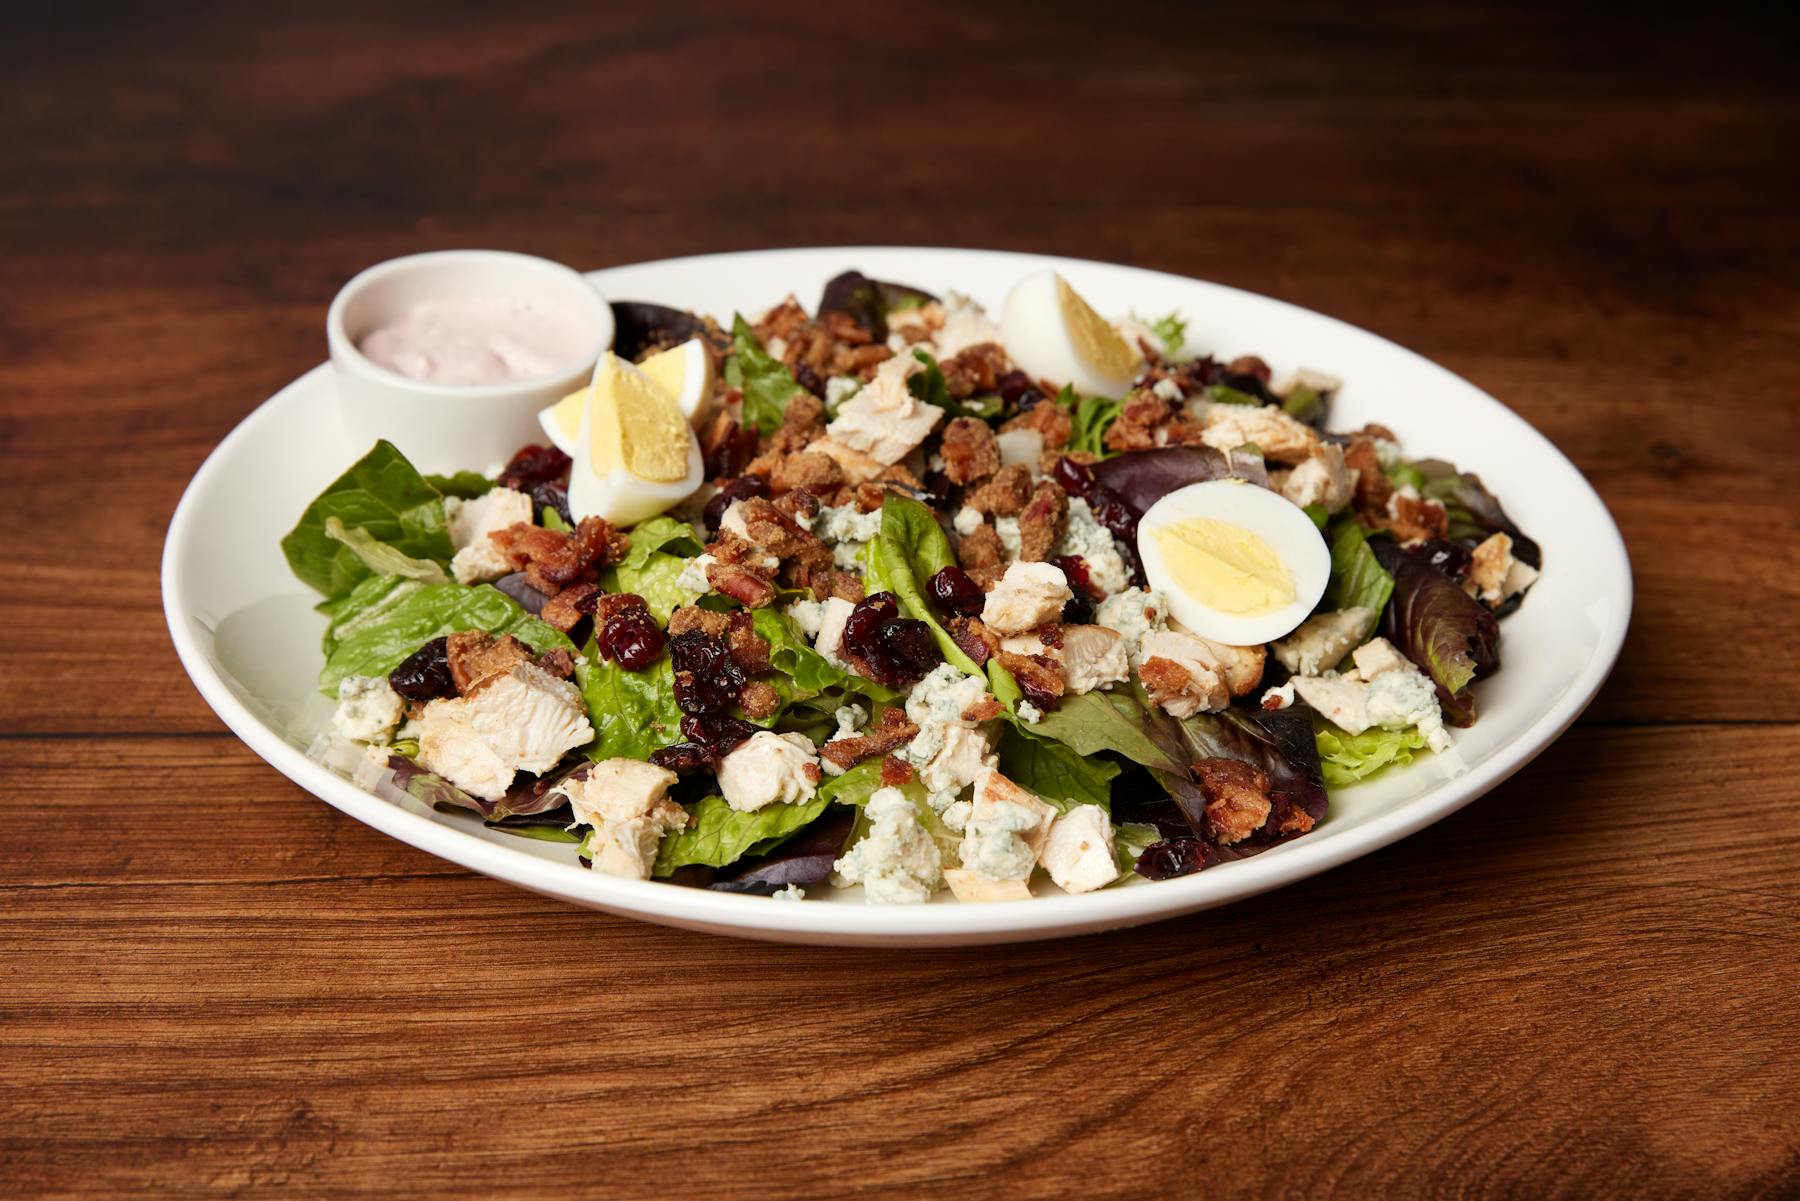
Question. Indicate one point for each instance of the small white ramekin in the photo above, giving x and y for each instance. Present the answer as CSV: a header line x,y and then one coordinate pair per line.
x,y
446,428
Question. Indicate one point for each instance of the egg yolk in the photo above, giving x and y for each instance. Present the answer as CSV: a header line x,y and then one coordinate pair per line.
x,y
636,425
1225,566
1098,343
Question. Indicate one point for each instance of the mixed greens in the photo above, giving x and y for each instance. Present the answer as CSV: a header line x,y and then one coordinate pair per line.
x,y
902,637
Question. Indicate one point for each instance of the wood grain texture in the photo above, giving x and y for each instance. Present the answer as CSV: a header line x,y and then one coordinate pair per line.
x,y
1583,985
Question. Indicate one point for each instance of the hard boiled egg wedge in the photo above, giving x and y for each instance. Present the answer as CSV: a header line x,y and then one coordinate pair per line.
x,y
635,454
1053,334
1239,564
685,372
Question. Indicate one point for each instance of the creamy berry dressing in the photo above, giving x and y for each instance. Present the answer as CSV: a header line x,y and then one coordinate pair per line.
x,y
475,340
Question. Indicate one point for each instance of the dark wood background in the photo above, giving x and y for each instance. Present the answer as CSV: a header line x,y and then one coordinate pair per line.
x,y
1583,985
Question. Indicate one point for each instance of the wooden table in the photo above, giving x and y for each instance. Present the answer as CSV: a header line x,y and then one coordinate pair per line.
x,y
1583,985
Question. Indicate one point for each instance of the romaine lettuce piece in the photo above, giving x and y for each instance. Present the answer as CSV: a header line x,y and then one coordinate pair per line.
x,y
1357,578
767,385
375,646
381,495
1054,771
632,712
1347,758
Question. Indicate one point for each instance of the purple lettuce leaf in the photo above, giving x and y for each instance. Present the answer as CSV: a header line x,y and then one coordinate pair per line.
x,y
1448,633
1473,510
529,598
1140,478
639,326
805,859
868,301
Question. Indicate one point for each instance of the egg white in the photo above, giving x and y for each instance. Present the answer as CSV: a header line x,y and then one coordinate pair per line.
x,y
1037,338
1284,526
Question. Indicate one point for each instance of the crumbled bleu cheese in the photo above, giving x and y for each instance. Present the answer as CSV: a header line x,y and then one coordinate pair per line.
x,y
1136,614
809,615
1029,712
838,389
968,520
1279,698
850,719
1167,388
847,531
896,862
693,576
368,709
1398,699
1387,453
956,816
947,752
792,892
992,846
1086,537
1008,529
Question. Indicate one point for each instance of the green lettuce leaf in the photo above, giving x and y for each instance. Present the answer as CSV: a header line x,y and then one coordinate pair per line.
x,y
767,385
1055,771
1170,329
1092,416
1347,758
1115,720
1357,577
1304,404
378,644
910,549
802,672
361,606
1131,840
466,484
633,712
382,559
656,580
929,386
1222,394
718,835
667,534
381,495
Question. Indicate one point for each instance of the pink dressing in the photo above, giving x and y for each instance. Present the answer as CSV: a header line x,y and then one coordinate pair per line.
x,y
475,340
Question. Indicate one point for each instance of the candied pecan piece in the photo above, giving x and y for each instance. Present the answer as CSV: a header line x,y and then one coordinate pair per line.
x,y
692,619
817,473
971,450
1164,679
985,709
1047,418
1372,484
826,584
980,548
974,371
975,639
741,585
895,772
559,663
891,731
749,650
803,421
759,699
570,605
778,534
1415,518
1039,677
783,321
613,604
1143,417
799,503
1237,799
1249,364
859,361
1042,523
1289,818
1005,494
727,447
553,558
475,655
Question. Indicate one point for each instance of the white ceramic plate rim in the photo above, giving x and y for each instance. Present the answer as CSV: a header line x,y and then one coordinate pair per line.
x,y
759,917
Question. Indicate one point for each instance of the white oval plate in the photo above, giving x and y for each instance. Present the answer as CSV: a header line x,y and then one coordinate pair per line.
x,y
247,634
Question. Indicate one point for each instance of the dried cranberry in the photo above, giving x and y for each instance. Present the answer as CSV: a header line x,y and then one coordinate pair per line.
x,y
1175,857
731,452
1452,558
706,741
940,492
808,377
742,488
706,680
955,593
632,638
1017,389
534,465
894,650
424,675
682,757
554,496
1078,610
1037,696
1120,520
1077,479
1075,570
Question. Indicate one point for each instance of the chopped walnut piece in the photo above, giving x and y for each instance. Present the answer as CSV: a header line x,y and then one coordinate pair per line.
x,y
890,731
476,654
1237,799
975,370
1042,523
1373,488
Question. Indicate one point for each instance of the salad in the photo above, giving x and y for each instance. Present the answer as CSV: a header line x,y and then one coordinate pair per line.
x,y
900,594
